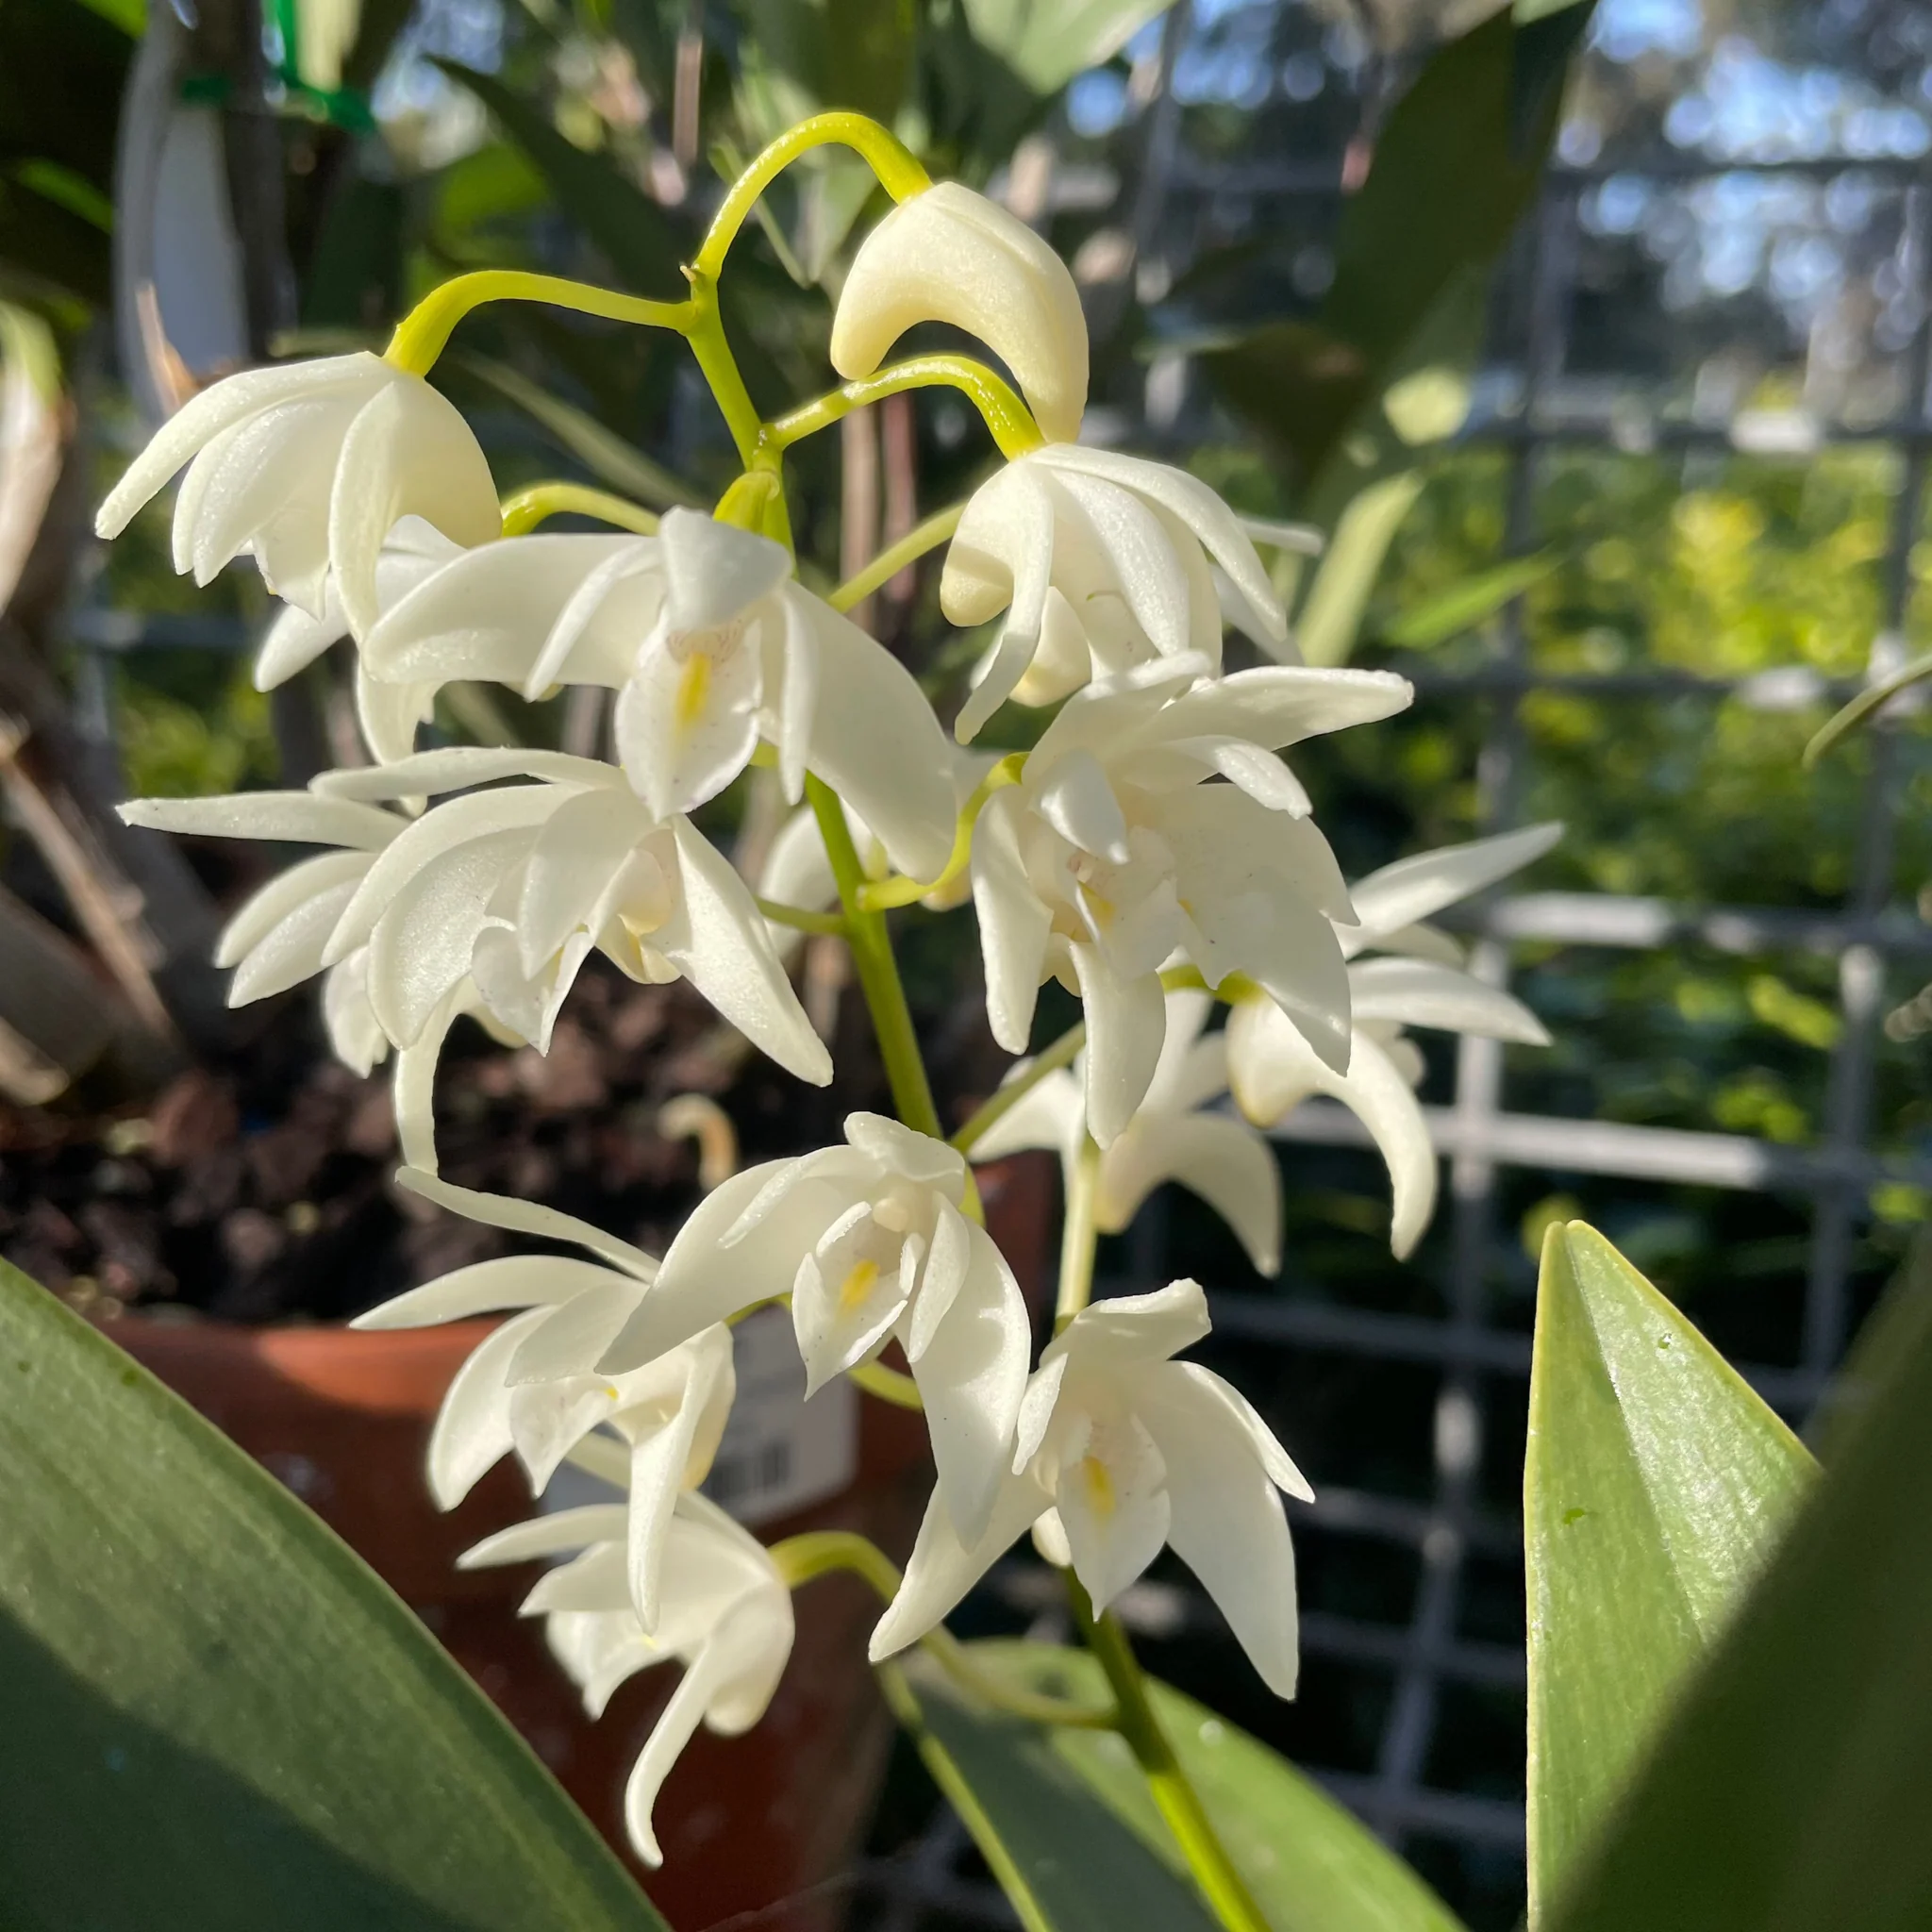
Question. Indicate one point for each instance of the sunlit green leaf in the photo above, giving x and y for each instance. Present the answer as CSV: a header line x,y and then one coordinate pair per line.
x,y
1654,1486
1047,42
213,1718
1467,604
1794,1781
1326,630
1309,1864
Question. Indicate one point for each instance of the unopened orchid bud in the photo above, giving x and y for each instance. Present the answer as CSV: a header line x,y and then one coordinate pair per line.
x,y
949,254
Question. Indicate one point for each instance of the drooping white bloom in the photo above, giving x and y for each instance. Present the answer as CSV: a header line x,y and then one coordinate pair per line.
x,y
710,644
1120,1450
532,1387
309,466
725,1617
1419,984
949,254
870,1242
490,901
1102,562
275,939
1111,856
389,713
1215,1156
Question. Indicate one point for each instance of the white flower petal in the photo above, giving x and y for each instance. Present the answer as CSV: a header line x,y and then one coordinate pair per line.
x,y
516,1281
1052,1115
293,951
1078,802
1418,993
554,1535
293,817
1129,1328
943,1568
527,1217
972,1374
1126,1020
264,910
1420,887
687,723
456,767
718,941
1228,1525
294,641
472,1429
876,743
1013,925
949,254
408,452
1113,1507
1225,1161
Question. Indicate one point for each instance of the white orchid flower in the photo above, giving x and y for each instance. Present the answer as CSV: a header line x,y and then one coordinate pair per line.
x,y
711,645
1112,855
726,1617
870,1242
388,713
1215,1156
1119,1451
1102,562
275,939
309,466
490,901
1419,984
949,254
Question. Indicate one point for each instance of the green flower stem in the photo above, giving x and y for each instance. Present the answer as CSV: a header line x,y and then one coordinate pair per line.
x,y
1062,1053
888,157
720,367
537,503
1176,1797
802,920
422,335
889,1385
881,895
1007,418
1078,1237
818,1553
878,972
890,562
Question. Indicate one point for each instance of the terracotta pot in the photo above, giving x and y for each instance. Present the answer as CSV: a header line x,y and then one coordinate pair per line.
x,y
344,1419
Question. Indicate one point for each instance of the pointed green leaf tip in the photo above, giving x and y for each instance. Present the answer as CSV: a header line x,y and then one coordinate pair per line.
x,y
1655,1484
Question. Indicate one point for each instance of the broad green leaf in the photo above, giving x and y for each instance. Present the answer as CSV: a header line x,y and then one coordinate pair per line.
x,y
1311,1865
1465,604
1047,42
1326,630
624,223
1794,1785
1655,1485
213,1717
1455,165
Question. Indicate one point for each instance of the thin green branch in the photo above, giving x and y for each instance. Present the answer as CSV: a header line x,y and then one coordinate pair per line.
x,y
831,924
1008,419
889,1385
537,503
422,335
882,895
1078,1237
891,561
1178,1802
898,169
1062,1053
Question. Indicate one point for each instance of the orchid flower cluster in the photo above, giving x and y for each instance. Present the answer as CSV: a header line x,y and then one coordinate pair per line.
x,y
1153,853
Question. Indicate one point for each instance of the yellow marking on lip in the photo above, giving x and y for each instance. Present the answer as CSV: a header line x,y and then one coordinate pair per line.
x,y
1101,1497
694,690
856,1286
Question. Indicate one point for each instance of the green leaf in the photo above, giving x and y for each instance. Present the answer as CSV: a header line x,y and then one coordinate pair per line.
x,y
1465,604
1031,1792
213,1717
1794,1785
1855,713
1458,162
1655,1485
1046,42
1326,630
628,228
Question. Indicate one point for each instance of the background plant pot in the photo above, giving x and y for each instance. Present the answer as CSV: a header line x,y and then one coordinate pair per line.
x,y
343,1418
